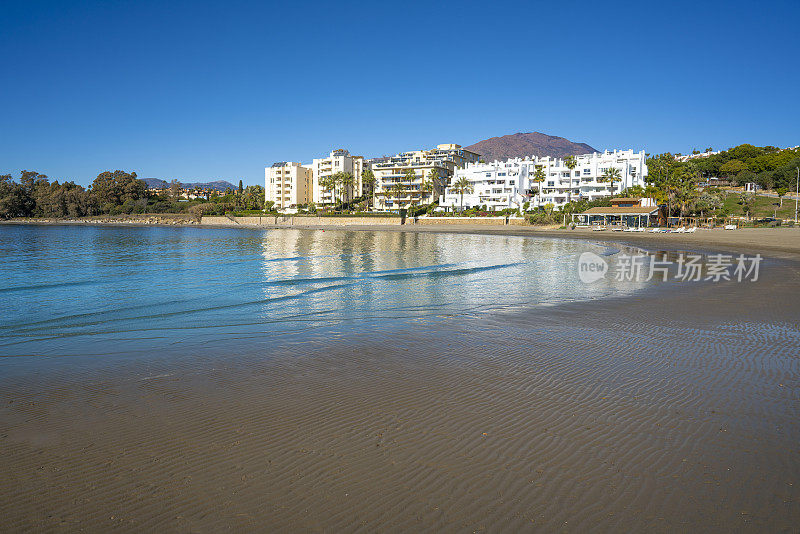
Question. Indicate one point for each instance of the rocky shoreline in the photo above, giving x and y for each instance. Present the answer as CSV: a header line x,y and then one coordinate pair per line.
x,y
142,219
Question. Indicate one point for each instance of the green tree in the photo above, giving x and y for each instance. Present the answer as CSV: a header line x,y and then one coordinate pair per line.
x,y
112,189
396,192
732,168
744,177
346,181
328,183
765,180
745,152
686,193
610,175
747,201
36,196
368,183
461,186
435,184
708,202
570,162
253,197
432,185
539,176
14,200
409,178
781,191
635,191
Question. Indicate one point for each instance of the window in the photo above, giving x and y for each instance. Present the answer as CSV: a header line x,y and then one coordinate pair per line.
x,y
587,172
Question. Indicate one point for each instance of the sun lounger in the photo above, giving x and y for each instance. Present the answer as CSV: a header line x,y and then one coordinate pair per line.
x,y
730,227
691,230
680,230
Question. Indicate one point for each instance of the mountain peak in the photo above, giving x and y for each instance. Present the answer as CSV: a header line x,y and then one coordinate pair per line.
x,y
218,185
528,144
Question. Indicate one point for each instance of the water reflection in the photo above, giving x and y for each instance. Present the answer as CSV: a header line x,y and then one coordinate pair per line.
x,y
77,290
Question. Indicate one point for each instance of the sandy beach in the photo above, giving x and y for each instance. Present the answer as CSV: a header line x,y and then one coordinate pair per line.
x,y
673,410
266,268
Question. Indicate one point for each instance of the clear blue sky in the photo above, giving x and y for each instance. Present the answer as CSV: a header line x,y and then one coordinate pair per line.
x,y
217,90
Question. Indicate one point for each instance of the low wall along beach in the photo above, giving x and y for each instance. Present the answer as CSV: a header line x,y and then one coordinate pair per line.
x,y
288,220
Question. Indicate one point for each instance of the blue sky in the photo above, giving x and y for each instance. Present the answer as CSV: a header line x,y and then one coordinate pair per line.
x,y
217,90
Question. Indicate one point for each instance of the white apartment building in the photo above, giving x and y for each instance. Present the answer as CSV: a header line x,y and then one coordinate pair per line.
x,y
287,183
509,184
393,188
339,160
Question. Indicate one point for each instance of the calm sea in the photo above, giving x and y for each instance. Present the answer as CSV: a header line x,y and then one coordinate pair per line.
x,y
72,291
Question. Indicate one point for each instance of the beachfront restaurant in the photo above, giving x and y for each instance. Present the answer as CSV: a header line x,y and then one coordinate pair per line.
x,y
623,212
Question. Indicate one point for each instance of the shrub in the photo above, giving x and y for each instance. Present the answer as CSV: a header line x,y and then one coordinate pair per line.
x,y
210,208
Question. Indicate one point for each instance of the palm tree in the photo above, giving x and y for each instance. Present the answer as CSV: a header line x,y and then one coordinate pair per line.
x,y
686,188
347,181
396,191
687,196
337,181
328,183
611,175
671,192
539,176
427,185
433,183
368,180
461,186
570,162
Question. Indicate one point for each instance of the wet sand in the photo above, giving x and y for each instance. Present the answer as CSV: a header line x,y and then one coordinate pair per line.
x,y
676,409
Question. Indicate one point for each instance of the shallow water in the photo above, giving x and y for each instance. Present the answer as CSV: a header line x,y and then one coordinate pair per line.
x,y
356,381
70,290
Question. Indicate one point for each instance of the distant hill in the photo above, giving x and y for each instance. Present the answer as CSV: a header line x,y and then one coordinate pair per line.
x,y
218,185
154,183
528,144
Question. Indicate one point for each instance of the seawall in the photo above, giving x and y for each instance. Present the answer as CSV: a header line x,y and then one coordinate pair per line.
x,y
289,220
